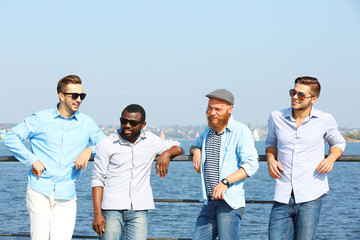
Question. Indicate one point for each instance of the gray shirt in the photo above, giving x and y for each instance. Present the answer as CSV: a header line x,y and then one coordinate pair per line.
x,y
123,170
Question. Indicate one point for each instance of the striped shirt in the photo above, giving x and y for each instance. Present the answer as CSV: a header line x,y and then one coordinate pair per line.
x,y
212,161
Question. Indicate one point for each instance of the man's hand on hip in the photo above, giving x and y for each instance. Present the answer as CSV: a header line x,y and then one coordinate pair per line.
x,y
38,168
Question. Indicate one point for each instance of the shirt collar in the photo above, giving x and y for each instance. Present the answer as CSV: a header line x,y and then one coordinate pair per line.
x,y
118,138
56,113
314,113
288,113
230,124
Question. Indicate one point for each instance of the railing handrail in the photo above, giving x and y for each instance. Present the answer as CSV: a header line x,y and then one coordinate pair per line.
x,y
184,158
24,235
344,158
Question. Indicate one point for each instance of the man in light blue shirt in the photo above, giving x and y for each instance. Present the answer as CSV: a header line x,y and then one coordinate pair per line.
x,y
224,154
295,156
59,140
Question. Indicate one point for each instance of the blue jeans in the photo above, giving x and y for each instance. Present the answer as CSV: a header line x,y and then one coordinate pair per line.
x,y
218,219
125,225
294,221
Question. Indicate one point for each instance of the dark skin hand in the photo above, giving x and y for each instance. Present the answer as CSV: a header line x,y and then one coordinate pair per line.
x,y
98,224
163,161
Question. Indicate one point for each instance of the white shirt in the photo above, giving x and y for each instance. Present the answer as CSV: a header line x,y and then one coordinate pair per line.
x,y
123,170
300,150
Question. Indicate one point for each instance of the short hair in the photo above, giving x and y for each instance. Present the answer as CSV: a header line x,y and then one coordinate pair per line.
x,y
312,82
133,108
70,79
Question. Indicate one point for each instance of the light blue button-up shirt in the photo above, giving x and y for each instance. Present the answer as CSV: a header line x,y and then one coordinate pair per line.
x,y
300,150
237,151
56,142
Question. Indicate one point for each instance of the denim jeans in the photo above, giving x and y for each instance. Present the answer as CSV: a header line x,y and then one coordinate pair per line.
x,y
125,225
295,221
218,219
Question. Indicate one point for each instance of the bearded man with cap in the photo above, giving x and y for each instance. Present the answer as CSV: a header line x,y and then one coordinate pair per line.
x,y
225,155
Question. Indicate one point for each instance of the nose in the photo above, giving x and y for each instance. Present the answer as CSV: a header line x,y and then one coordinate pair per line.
x,y
78,99
212,112
296,96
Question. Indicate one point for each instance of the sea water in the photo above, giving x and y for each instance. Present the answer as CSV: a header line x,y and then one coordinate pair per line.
x,y
340,218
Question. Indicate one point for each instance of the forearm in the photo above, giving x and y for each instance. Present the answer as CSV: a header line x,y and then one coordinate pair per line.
x,y
97,193
237,176
174,151
334,153
15,145
193,149
271,153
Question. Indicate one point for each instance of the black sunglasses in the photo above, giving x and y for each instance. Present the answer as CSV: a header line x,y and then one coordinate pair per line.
x,y
76,95
133,123
300,95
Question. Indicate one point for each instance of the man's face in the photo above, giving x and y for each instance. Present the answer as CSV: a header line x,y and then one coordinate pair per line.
x,y
218,113
71,105
131,130
298,104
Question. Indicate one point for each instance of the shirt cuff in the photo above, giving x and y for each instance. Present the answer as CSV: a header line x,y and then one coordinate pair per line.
x,y
249,170
97,183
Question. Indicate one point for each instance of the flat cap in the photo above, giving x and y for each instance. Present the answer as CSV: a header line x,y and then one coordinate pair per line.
x,y
222,94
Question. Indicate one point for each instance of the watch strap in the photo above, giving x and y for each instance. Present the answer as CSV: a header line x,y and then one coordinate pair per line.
x,y
225,181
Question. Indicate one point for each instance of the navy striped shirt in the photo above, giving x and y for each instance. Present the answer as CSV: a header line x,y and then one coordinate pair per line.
x,y
212,152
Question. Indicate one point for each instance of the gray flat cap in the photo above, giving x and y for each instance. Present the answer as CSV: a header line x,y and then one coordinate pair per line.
x,y
222,94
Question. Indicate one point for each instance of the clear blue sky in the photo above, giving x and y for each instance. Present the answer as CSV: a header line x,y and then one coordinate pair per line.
x,y
170,54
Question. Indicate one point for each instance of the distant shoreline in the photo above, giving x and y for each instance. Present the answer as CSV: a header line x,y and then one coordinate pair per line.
x,y
351,139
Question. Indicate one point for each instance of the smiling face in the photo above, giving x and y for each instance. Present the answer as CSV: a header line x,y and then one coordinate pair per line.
x,y
128,131
69,106
218,113
298,104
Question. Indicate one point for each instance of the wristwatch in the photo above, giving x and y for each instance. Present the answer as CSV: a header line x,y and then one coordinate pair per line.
x,y
225,181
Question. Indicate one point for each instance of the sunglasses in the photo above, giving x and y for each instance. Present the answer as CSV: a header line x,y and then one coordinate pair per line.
x,y
76,95
300,95
133,123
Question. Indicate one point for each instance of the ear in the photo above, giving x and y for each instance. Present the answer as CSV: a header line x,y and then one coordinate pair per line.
x,y
61,97
314,99
231,108
143,125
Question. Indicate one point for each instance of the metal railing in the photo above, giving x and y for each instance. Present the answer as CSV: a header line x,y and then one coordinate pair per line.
x,y
262,158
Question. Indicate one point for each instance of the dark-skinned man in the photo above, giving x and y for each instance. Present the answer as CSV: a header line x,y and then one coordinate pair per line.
x,y
122,194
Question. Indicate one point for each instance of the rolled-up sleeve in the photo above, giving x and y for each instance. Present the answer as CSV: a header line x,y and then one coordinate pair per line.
x,y
248,154
333,136
164,145
198,142
271,140
101,165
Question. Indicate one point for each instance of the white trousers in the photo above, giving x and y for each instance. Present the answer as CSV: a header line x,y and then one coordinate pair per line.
x,y
50,218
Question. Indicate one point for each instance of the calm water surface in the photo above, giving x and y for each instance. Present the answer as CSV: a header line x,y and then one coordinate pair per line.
x,y
340,216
